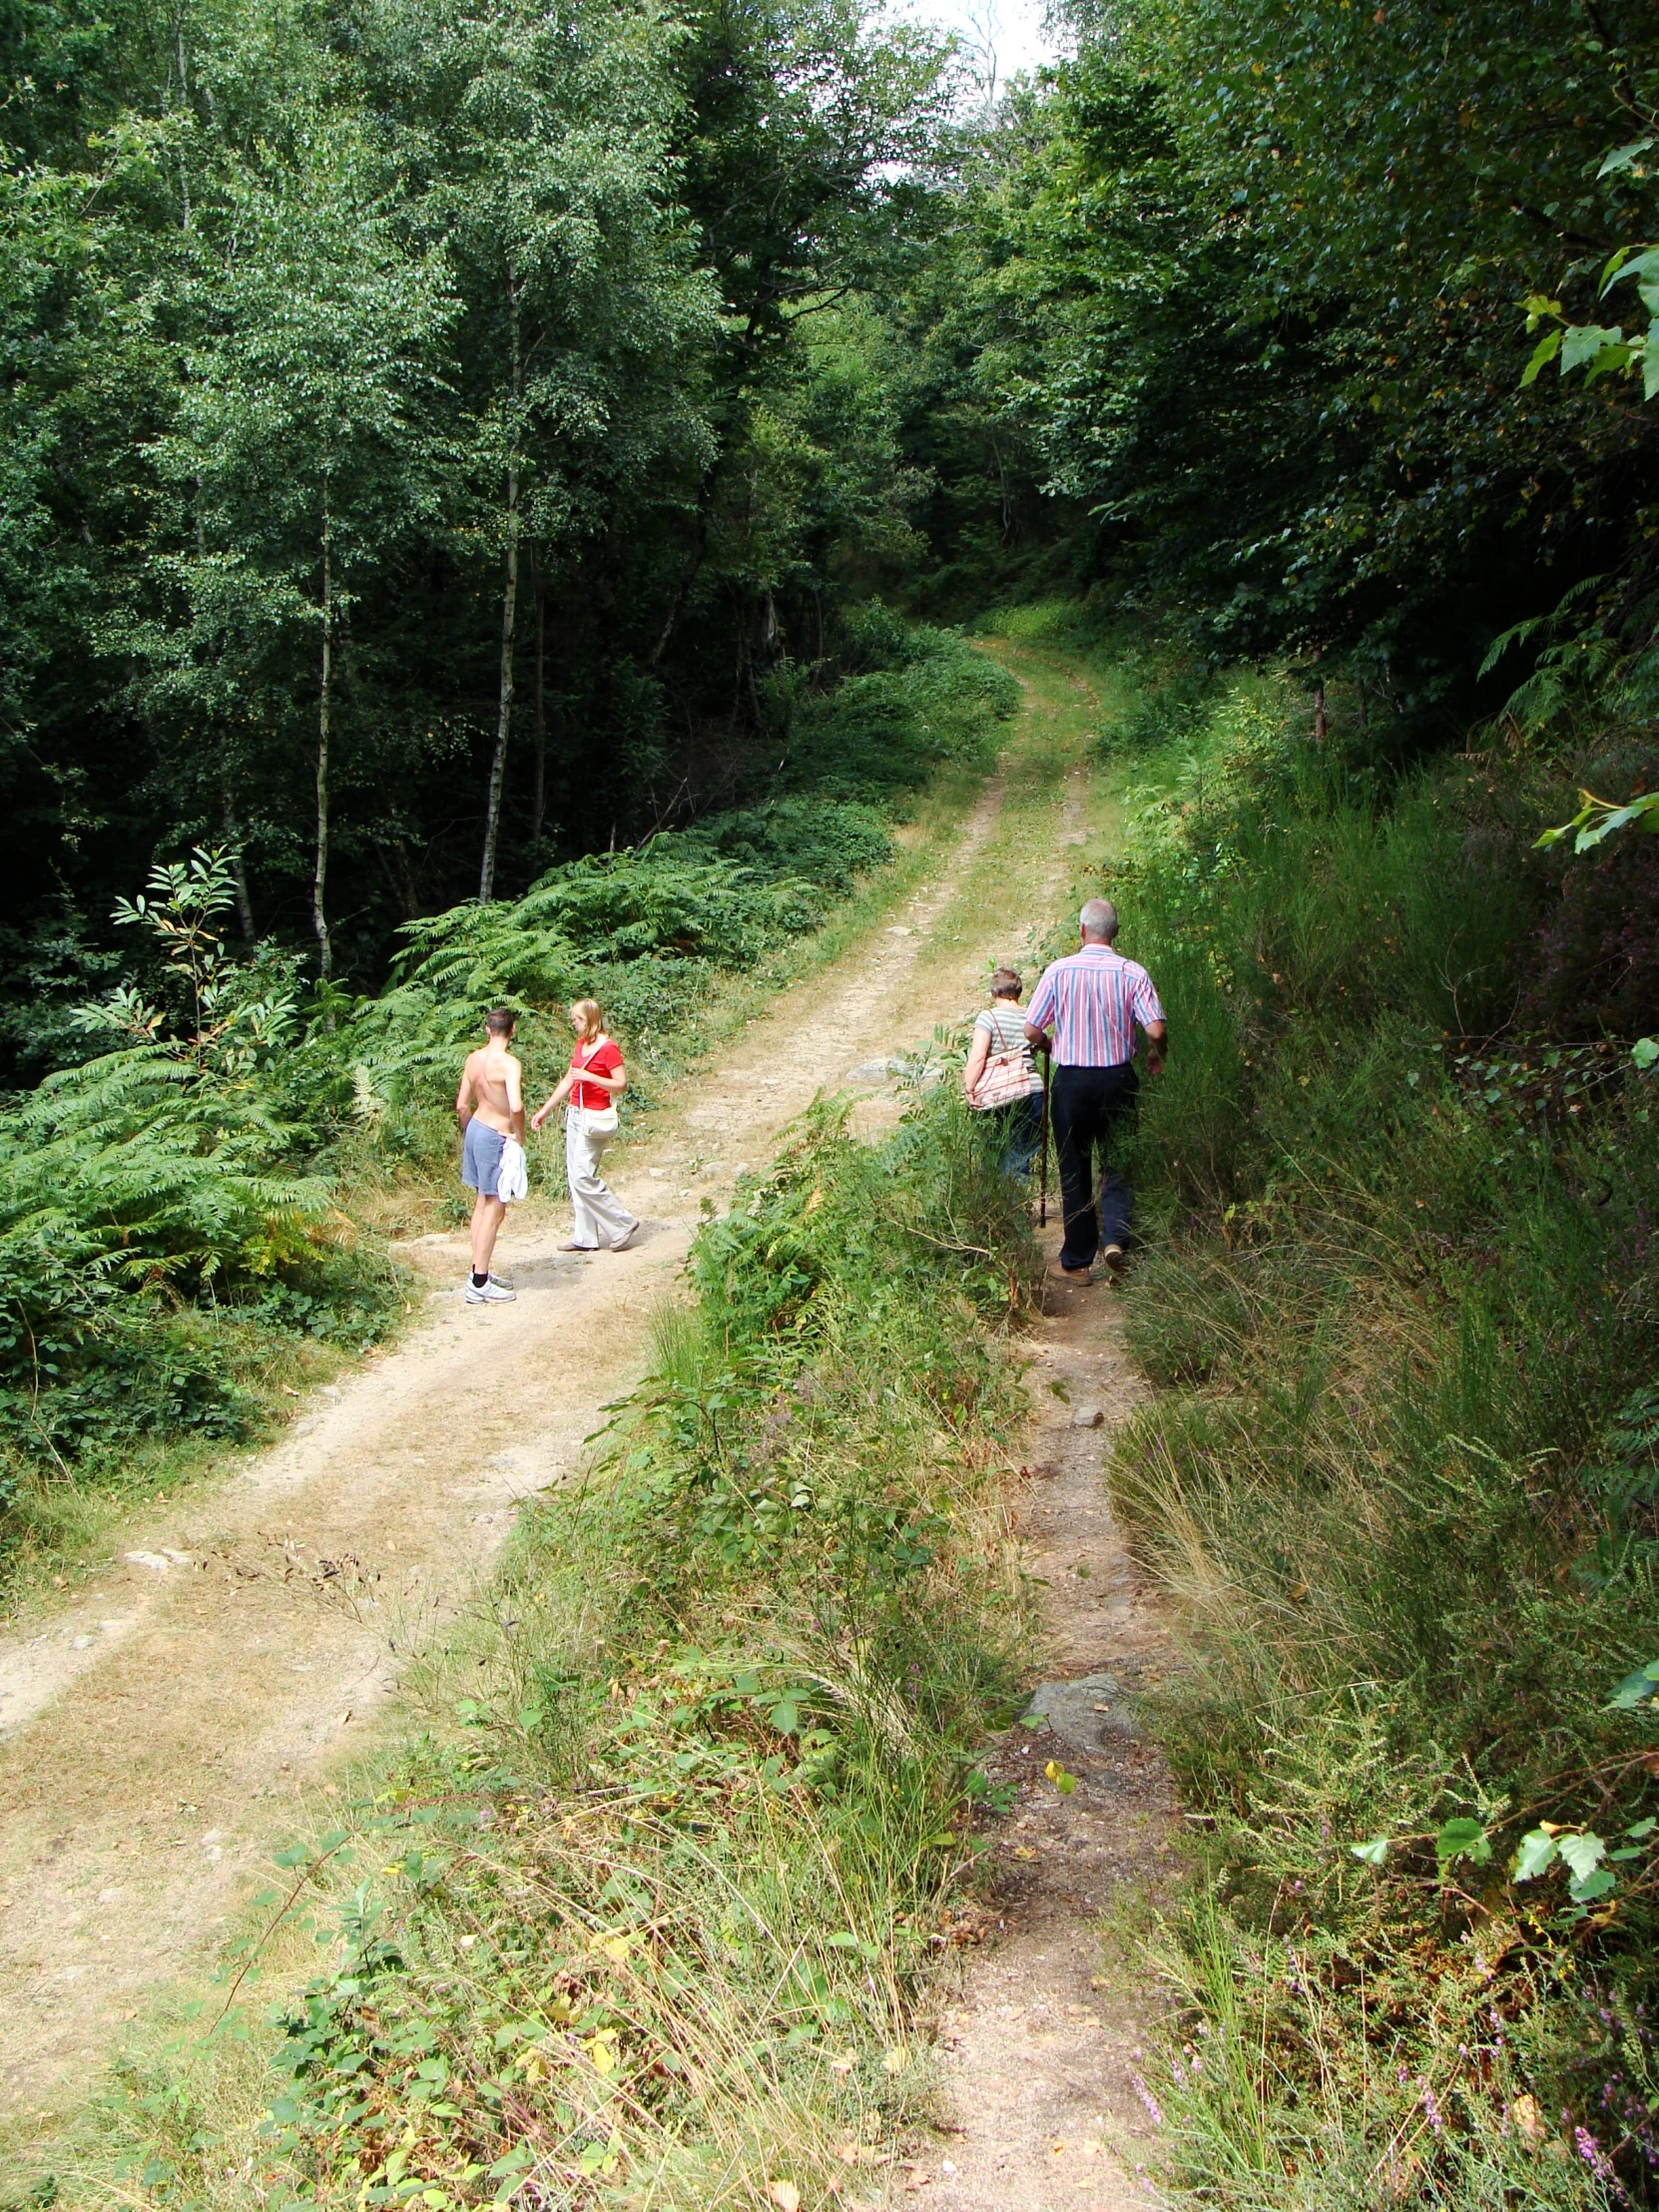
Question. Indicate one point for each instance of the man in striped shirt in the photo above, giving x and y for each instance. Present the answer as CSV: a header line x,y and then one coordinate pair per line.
x,y
1092,1001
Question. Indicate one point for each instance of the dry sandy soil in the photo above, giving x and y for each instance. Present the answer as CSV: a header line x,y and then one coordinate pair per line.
x,y
184,1710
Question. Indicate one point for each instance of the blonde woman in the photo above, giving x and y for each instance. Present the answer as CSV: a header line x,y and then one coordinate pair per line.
x,y
594,1081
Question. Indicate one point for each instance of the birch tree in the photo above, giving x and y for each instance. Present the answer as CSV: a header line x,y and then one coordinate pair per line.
x,y
583,297
306,438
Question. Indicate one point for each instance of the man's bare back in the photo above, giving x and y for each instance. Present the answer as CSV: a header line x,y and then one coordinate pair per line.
x,y
492,1089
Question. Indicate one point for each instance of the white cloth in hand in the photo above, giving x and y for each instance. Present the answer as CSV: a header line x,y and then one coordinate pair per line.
x,y
514,1179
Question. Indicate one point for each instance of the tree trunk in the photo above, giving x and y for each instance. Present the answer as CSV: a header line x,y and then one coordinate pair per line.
x,y
509,612
233,838
538,804
325,957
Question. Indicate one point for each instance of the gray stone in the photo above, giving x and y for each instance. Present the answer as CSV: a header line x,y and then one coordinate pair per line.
x,y
1087,1417
1086,1713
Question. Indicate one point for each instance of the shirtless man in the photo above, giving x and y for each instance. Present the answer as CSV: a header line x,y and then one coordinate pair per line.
x,y
490,1108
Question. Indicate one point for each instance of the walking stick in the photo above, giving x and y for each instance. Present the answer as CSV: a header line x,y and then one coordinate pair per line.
x,y
1042,1203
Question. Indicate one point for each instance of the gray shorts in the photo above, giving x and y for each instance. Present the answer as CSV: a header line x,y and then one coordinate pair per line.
x,y
482,1150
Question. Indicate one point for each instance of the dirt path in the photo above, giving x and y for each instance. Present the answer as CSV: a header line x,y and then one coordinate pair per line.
x,y
182,1714
1043,2090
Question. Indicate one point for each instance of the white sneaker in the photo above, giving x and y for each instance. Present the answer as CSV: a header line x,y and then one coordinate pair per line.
x,y
491,1292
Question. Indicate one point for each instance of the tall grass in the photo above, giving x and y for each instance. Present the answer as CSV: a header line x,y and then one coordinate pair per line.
x,y
1400,1298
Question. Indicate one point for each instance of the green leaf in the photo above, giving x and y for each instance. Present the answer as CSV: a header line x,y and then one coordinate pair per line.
x,y
1537,1852
1462,1838
1373,1853
1637,1688
1582,341
1624,157
1582,1853
1650,363
1063,1782
1645,1052
1542,354
1591,1885
785,1717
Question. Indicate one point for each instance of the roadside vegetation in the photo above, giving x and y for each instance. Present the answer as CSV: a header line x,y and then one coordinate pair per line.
x,y
1399,1479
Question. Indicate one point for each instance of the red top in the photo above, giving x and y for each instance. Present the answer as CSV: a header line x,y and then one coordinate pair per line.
x,y
607,1058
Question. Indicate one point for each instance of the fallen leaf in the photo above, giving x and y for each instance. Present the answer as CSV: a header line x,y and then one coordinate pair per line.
x,y
1524,2113
785,2195
897,2059
290,1391
1025,1850
1063,1782
346,1716
841,2065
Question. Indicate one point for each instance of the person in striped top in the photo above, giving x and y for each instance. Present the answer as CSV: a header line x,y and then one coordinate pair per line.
x,y
1093,1001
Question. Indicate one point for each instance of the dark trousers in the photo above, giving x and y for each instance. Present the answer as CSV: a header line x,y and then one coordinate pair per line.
x,y
1086,1106
1018,1132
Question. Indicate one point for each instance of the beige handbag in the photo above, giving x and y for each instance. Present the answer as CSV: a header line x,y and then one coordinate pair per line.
x,y
1004,1079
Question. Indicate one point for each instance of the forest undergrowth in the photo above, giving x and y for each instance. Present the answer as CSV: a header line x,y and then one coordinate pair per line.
x,y
197,1198
1399,1479
641,1916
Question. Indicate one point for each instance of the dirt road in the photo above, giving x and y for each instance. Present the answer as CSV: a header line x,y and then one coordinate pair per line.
x,y
158,1735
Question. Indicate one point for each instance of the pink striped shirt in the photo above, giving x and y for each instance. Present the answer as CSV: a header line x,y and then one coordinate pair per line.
x,y
1092,1001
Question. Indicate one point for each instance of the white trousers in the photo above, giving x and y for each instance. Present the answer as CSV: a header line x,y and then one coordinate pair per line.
x,y
599,1215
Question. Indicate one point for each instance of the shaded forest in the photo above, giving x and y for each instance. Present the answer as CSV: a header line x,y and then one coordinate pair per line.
x,y
440,443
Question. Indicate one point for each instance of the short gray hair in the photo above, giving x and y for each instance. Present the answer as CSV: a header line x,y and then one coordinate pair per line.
x,y
1099,921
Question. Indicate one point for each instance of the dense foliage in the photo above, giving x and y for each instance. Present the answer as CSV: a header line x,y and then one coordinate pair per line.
x,y
426,435
1244,292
